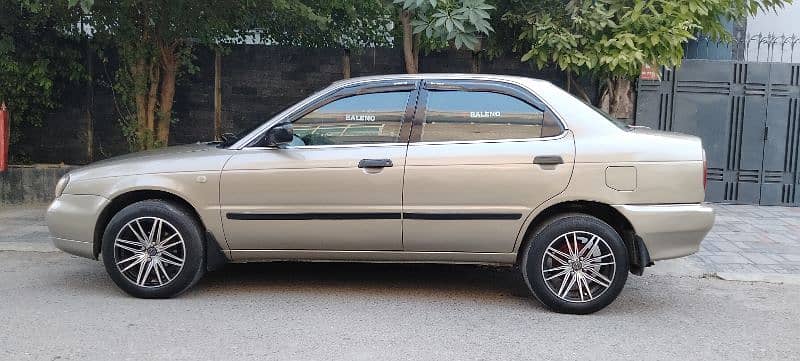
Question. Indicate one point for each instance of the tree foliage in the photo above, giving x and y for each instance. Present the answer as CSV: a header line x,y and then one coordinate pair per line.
x,y
155,40
443,21
348,24
436,24
613,39
39,57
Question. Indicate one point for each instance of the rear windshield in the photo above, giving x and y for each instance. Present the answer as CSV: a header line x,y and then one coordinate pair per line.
x,y
620,124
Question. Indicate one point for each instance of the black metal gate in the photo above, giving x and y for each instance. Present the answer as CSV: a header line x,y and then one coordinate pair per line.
x,y
747,114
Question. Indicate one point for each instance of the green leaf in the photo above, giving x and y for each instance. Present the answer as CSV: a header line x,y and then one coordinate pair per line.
x,y
528,56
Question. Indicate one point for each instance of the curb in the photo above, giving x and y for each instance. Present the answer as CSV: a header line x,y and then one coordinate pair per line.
x,y
27,247
686,267
779,278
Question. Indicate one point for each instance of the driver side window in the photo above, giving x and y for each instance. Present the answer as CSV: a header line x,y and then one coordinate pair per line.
x,y
359,119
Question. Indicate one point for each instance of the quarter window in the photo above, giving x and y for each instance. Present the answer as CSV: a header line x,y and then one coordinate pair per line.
x,y
359,119
479,115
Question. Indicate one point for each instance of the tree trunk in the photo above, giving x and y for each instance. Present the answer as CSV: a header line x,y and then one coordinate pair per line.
x,y
573,83
346,63
476,57
410,54
152,98
569,80
139,97
169,65
217,95
617,99
89,101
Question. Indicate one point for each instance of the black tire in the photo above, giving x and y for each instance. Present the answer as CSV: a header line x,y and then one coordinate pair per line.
x,y
556,231
192,252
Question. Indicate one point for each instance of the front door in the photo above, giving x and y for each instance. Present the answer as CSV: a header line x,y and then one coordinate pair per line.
x,y
481,158
338,186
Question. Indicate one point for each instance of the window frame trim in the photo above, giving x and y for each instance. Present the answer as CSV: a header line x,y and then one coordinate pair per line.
x,y
471,85
326,97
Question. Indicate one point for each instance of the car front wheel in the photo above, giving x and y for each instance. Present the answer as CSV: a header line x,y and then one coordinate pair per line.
x,y
575,264
153,249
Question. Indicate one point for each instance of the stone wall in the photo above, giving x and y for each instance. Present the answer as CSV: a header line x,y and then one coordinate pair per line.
x,y
257,82
30,184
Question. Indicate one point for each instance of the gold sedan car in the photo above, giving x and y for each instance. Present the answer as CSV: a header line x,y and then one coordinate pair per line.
x,y
440,168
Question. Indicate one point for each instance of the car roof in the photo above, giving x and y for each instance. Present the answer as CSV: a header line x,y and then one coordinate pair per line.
x,y
459,76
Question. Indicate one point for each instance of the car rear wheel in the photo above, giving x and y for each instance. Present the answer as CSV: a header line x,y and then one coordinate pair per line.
x,y
153,249
575,264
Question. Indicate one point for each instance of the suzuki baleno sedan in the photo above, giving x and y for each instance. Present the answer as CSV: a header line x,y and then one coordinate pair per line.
x,y
439,168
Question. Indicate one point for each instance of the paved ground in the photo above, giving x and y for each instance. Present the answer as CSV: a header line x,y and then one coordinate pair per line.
x,y
60,307
746,240
22,228
752,239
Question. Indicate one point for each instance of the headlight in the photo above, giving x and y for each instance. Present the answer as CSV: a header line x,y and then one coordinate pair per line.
x,y
61,185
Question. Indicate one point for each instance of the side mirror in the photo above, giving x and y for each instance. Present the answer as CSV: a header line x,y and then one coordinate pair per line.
x,y
279,135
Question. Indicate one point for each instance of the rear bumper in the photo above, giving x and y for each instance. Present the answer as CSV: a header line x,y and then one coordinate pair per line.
x,y
78,248
670,230
71,219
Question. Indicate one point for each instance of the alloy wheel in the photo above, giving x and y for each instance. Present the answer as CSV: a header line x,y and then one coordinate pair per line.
x,y
578,266
149,252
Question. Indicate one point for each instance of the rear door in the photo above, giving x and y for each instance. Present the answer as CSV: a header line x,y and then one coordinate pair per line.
x,y
482,156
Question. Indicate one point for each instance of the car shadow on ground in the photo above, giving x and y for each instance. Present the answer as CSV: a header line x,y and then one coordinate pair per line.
x,y
368,278
409,283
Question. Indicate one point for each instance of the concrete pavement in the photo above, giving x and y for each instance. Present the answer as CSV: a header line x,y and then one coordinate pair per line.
x,y
60,307
22,228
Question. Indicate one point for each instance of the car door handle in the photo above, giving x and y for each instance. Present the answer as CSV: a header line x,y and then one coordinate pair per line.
x,y
548,159
375,163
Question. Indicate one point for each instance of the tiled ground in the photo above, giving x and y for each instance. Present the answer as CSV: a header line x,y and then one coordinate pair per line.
x,y
745,239
752,239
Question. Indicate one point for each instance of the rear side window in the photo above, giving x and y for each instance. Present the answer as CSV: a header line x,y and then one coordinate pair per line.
x,y
482,115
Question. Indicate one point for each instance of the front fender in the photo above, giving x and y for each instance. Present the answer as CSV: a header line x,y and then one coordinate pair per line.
x,y
200,189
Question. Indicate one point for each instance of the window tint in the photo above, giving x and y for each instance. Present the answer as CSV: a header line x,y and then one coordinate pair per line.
x,y
359,119
464,115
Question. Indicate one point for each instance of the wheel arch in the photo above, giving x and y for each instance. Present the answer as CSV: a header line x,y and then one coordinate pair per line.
x,y
637,251
123,200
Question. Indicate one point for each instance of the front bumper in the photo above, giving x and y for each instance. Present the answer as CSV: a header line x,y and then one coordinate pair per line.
x,y
71,219
670,230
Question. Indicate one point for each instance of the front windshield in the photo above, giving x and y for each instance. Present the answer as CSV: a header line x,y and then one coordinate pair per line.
x,y
229,139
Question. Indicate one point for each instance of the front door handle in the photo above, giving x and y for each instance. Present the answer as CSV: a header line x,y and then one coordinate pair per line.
x,y
375,163
548,159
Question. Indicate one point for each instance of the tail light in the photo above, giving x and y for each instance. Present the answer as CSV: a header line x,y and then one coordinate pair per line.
x,y
705,171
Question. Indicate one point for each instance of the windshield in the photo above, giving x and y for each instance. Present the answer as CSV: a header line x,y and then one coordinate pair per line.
x,y
229,138
620,124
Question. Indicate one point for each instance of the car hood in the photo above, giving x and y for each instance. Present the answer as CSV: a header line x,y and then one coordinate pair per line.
x,y
183,158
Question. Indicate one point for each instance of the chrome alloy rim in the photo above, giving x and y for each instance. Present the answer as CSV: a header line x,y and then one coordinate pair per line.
x,y
149,252
578,266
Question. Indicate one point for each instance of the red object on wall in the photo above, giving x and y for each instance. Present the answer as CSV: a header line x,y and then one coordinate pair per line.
x,y
5,133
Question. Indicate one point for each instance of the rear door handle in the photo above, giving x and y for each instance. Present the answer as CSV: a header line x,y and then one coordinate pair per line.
x,y
548,159
375,163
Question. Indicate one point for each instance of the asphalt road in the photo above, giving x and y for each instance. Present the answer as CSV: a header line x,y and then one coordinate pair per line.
x,y
59,307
